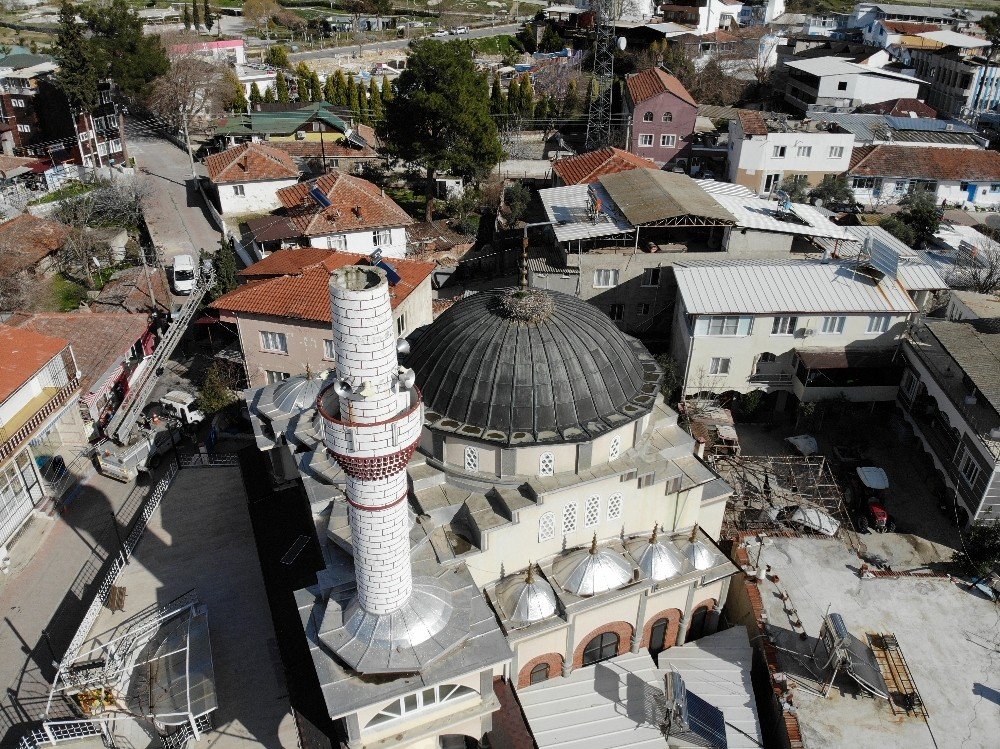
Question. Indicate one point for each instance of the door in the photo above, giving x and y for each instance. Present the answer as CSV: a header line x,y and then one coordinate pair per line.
x,y
771,182
972,192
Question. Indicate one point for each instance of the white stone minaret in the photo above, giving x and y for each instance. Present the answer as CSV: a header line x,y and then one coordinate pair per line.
x,y
373,435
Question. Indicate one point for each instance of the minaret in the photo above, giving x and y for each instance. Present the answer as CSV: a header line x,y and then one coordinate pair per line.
x,y
372,416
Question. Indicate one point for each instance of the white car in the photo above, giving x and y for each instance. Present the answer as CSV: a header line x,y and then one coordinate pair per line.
x,y
460,30
440,32
184,274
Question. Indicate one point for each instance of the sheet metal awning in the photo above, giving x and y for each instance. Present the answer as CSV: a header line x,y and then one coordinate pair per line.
x,y
841,358
652,197
582,212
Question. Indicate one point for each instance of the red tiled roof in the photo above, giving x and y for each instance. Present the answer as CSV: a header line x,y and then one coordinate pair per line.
x,y
909,27
752,122
284,263
24,353
250,162
128,291
955,164
99,339
313,149
25,240
304,294
440,305
590,167
357,204
653,82
899,108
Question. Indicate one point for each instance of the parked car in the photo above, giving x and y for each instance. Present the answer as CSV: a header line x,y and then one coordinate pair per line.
x,y
183,274
460,30
866,494
440,32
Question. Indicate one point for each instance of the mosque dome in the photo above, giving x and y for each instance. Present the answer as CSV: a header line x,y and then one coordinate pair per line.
x,y
527,599
526,365
698,554
656,560
292,396
587,572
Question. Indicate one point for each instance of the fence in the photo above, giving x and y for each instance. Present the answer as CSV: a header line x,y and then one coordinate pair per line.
x,y
206,460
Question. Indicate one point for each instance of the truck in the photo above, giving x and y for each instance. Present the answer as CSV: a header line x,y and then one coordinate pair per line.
x,y
151,439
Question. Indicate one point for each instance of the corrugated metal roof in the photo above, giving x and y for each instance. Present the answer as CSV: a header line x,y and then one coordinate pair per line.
x,y
612,705
763,215
928,124
830,65
569,208
793,287
714,187
647,196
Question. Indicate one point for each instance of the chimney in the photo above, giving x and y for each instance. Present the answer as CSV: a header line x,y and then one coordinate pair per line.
x,y
357,211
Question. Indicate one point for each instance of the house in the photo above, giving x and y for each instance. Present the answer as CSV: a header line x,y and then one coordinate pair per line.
x,y
942,17
530,153
799,331
28,243
246,178
885,33
39,390
347,154
110,350
230,51
282,312
903,130
949,395
20,75
320,122
128,290
590,167
662,116
833,84
956,176
960,78
764,152
900,108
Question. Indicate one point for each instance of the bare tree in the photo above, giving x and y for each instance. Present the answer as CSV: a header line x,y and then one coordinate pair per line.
x,y
979,269
16,291
258,13
195,87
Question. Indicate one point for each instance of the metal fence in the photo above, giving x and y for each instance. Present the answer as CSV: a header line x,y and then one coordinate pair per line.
x,y
206,460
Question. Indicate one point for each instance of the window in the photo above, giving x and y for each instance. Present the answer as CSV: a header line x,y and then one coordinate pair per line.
x,y
778,152
901,186
647,117
878,323
866,183
651,277
647,478
642,309
833,325
24,128
569,517
969,469
646,140
668,117
546,464
605,278
239,190
17,102
401,324
273,376
836,152
276,342
784,325
337,242
471,459
718,366
842,86
592,512
546,526
995,187
805,151
723,325
105,97
615,450
909,384
963,186
616,312
601,648
422,700
657,636
382,237
614,506
539,673
329,352
668,141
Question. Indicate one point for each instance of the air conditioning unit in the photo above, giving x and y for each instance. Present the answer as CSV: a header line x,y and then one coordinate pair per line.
x,y
300,135
804,332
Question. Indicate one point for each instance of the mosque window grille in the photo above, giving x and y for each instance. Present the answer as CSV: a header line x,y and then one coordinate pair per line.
x,y
569,517
546,464
422,700
546,526
614,506
471,459
592,512
615,451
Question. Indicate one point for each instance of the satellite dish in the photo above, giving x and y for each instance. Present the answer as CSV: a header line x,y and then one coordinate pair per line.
x,y
622,43
342,388
402,346
407,378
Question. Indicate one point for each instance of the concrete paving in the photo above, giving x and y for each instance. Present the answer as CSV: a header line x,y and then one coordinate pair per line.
x,y
200,537
949,637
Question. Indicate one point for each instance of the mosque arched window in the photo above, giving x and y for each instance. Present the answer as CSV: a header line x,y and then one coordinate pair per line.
x,y
546,526
471,459
422,700
615,451
546,464
614,506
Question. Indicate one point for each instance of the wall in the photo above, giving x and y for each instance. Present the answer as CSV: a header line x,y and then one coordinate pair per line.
x,y
751,159
630,291
258,197
950,191
681,126
363,242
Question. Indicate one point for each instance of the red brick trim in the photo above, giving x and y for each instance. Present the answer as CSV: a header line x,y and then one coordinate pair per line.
x,y
624,631
377,466
510,728
673,617
554,661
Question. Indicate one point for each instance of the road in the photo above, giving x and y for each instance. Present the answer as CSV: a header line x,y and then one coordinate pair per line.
x,y
397,44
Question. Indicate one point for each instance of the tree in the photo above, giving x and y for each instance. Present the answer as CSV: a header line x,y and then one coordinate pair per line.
x,y
232,93
526,97
921,214
979,270
276,56
196,87
216,391
980,548
363,115
551,41
352,95
77,76
517,198
374,101
269,97
513,97
341,83
386,90
440,116
122,52
315,87
795,185
255,95
571,102
207,15
330,89
186,15
195,14
498,102
835,192
225,265
258,13
281,88
900,230
302,73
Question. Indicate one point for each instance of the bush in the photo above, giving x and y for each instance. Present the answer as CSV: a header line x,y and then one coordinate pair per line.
x,y
216,391
517,198
899,229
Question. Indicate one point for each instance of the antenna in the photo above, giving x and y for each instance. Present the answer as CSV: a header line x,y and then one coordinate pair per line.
x,y
599,114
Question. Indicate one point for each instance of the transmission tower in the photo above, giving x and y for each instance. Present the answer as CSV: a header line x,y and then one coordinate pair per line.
x,y
599,114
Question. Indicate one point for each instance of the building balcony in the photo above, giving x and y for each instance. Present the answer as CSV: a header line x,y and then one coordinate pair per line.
x,y
771,378
33,416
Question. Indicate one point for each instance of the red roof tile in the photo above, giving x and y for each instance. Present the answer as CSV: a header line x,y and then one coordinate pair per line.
x,y
313,149
653,82
128,291
858,154
24,353
284,263
304,294
909,27
955,164
357,204
752,122
250,162
590,167
899,108
25,240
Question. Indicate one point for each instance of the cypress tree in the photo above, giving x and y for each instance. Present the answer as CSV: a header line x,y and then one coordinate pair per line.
x,y
315,88
195,15
255,97
352,96
281,86
374,101
513,96
330,89
268,95
363,115
498,105
386,90
186,17
340,86
526,99
207,15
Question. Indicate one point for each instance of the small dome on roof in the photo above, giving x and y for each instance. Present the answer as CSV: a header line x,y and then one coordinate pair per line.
x,y
656,560
297,394
698,553
526,599
587,572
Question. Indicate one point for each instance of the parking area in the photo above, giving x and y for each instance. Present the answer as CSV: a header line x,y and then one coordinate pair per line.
x,y
890,444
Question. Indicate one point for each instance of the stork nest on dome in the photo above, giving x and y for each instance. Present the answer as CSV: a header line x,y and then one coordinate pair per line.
x,y
526,305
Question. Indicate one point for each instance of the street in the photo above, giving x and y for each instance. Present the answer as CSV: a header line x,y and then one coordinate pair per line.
x,y
482,33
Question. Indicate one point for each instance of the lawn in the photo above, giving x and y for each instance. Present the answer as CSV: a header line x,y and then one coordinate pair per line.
x,y
497,45
71,190
65,295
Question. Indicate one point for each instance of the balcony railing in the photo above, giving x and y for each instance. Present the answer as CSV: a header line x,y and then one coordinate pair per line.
x,y
9,445
771,378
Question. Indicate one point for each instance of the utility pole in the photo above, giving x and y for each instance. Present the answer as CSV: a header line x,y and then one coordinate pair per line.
x,y
187,142
599,114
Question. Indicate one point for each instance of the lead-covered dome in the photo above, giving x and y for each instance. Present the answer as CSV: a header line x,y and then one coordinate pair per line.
x,y
523,366
587,572
526,599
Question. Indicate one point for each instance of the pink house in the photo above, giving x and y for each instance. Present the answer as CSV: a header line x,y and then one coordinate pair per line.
x,y
662,115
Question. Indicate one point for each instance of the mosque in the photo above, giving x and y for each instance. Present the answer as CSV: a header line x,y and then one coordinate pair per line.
x,y
503,500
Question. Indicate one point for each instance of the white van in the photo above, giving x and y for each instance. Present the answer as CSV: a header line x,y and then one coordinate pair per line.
x,y
184,274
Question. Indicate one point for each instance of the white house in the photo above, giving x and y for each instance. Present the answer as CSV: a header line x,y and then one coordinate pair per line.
x,y
956,176
246,178
885,34
764,151
809,329
835,84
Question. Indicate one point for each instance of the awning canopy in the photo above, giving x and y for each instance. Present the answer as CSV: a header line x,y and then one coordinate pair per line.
x,y
842,358
652,197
